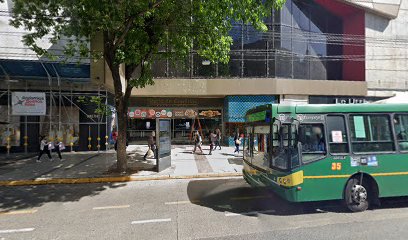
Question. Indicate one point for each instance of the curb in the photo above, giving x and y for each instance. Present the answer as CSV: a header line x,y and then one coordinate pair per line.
x,y
46,181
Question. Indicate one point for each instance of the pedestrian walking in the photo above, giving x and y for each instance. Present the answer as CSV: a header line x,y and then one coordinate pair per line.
x,y
213,139
114,137
44,148
218,140
151,143
59,146
237,141
197,141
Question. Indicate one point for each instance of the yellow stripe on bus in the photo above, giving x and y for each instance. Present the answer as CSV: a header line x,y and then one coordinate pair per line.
x,y
346,176
389,174
328,176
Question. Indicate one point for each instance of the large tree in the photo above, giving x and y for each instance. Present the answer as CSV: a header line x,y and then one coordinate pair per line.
x,y
133,31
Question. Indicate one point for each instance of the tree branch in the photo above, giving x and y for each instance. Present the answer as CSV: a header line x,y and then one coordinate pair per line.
x,y
129,22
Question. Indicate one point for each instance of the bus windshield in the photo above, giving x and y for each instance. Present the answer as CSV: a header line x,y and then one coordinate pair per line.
x,y
285,151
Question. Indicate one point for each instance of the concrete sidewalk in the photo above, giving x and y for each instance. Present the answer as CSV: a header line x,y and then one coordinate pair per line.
x,y
99,167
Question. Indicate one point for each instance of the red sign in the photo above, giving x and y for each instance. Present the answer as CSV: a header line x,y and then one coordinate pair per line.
x,y
149,113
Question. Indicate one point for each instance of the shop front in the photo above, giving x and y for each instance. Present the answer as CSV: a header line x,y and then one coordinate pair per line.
x,y
184,121
190,114
235,108
25,116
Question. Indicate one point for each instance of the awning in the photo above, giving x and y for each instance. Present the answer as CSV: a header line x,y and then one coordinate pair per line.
x,y
34,70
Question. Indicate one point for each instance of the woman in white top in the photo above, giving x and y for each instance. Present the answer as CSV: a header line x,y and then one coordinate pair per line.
x,y
44,148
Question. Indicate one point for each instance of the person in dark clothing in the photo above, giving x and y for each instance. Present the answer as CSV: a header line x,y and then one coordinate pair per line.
x,y
44,148
237,142
152,145
212,138
59,146
218,139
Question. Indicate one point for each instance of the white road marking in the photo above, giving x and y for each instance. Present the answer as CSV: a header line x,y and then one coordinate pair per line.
x,y
18,212
181,202
111,207
17,230
229,214
152,221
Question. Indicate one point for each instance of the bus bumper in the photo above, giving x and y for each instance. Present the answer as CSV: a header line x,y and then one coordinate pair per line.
x,y
262,180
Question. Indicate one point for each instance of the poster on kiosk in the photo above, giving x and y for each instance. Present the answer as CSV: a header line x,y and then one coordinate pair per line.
x,y
163,143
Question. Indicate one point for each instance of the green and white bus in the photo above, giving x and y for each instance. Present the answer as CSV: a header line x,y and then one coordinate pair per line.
x,y
356,152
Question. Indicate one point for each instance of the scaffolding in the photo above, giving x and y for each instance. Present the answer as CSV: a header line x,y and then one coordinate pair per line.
x,y
62,121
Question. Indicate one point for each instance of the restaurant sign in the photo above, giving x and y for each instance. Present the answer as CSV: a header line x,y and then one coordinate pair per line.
x,y
149,113
171,113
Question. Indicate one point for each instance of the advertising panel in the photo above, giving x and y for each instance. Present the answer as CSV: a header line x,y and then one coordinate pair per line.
x,y
28,103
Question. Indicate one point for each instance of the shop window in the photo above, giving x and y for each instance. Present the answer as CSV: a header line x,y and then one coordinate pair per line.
x,y
336,128
312,138
371,133
401,131
231,128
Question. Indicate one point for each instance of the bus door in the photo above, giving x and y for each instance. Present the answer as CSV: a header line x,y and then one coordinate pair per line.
x,y
261,148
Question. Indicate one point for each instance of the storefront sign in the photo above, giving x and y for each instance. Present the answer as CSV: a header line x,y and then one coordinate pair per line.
x,y
185,113
209,113
172,113
28,103
149,113
350,100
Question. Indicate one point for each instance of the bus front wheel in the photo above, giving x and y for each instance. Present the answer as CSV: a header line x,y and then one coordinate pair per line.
x,y
356,195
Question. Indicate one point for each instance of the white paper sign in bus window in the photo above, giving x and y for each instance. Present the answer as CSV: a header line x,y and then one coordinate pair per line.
x,y
337,136
359,127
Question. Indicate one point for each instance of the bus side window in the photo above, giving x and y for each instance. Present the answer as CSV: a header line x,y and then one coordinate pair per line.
x,y
371,133
401,130
336,128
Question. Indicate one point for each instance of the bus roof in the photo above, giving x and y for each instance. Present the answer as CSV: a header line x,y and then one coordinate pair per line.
x,y
343,108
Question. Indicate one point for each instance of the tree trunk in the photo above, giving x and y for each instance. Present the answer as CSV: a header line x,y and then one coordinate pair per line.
x,y
122,137
121,112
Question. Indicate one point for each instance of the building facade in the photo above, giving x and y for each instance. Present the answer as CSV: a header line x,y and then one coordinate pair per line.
x,y
43,97
316,51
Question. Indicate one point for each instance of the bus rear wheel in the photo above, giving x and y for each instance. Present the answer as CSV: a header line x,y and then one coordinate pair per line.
x,y
356,196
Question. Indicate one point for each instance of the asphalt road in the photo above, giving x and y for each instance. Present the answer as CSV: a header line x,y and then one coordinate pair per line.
x,y
185,209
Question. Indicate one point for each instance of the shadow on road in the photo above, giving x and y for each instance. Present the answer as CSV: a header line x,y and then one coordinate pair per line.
x,y
25,197
238,197
235,196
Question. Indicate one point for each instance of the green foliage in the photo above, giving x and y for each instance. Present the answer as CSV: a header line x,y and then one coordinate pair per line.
x,y
98,102
133,31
